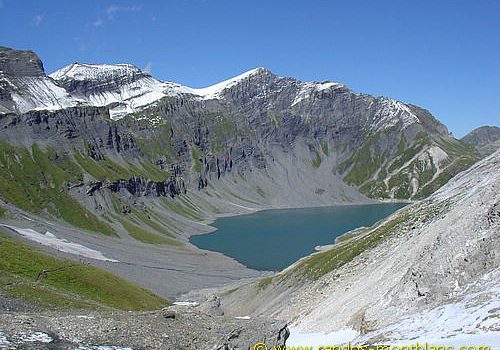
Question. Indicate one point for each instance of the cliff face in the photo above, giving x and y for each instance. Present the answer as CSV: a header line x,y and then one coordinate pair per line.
x,y
17,63
108,137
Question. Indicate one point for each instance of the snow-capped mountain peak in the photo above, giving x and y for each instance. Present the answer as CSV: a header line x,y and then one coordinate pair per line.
x,y
215,90
84,71
124,85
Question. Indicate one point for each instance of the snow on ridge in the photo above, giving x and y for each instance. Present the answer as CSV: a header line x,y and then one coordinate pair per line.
x,y
214,91
85,71
390,113
139,93
307,89
131,95
148,90
37,93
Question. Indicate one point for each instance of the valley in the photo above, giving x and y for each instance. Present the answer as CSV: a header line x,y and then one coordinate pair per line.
x,y
109,175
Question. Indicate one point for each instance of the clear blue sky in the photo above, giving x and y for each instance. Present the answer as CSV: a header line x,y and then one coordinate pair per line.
x,y
441,55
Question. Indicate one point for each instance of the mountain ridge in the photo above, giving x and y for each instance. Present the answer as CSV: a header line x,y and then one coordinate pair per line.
x,y
486,139
149,178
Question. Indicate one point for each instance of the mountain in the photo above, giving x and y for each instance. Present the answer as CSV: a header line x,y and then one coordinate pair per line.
x,y
428,273
486,139
110,158
24,85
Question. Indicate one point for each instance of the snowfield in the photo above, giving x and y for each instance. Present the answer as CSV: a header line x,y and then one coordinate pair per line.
x,y
50,240
474,320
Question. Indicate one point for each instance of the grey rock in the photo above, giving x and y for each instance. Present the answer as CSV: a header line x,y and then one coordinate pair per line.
x,y
20,63
486,139
151,330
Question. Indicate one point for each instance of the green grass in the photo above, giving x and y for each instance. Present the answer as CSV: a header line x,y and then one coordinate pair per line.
x,y
365,162
104,169
148,220
2,212
107,170
401,183
319,191
66,163
349,235
320,264
44,296
407,154
316,161
196,154
31,181
183,207
325,149
159,145
261,192
145,236
153,172
360,167
264,283
374,189
223,128
454,168
73,284
178,208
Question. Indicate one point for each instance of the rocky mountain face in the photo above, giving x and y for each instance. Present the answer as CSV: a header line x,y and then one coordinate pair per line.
x,y
110,149
144,163
486,139
430,271
24,85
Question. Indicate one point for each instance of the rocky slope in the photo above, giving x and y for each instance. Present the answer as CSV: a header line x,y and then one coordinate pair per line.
x,y
173,328
48,303
428,272
486,139
108,149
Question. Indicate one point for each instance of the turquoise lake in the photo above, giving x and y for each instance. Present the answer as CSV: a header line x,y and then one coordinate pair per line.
x,y
274,239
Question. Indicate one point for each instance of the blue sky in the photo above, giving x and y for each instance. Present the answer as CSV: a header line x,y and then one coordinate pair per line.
x,y
441,55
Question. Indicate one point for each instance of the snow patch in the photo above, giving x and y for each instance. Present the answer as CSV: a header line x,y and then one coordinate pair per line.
x,y
38,337
135,89
316,339
186,303
4,342
35,93
242,317
392,112
63,245
214,91
82,71
473,319
141,90
307,89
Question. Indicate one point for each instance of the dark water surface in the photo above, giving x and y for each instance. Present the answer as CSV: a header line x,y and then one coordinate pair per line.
x,y
274,239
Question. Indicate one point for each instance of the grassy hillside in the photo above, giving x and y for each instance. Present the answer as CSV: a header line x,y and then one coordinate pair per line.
x,y
66,283
408,170
37,181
